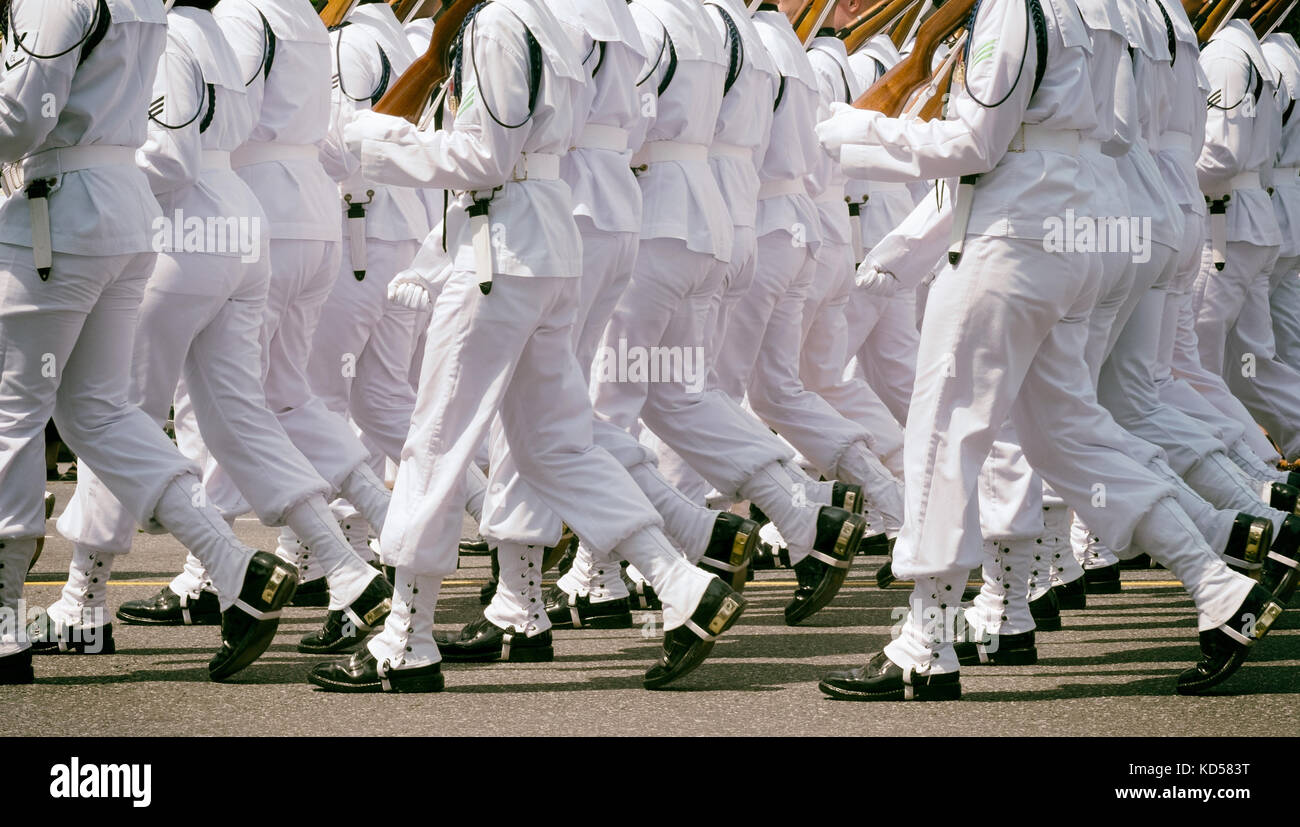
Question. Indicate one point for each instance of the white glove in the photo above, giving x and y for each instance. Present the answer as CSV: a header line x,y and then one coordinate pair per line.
x,y
846,125
410,291
876,282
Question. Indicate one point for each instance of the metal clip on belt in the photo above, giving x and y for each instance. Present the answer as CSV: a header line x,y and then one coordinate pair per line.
x,y
531,166
1219,229
855,227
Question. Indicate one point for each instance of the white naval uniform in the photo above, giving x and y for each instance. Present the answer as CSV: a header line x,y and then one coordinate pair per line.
x,y
1233,325
1005,330
67,339
1283,55
289,78
509,351
201,317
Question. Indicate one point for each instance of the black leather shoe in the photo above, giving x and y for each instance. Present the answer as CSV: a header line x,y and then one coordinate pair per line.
x,y
578,612
314,594
482,641
489,589
641,595
848,496
1281,570
1248,544
822,572
731,548
767,558
1293,479
1072,596
16,669
756,514
50,638
688,645
885,574
1104,580
167,608
1284,497
360,672
248,627
346,628
1046,611
1000,650
1140,562
883,680
877,544
1224,649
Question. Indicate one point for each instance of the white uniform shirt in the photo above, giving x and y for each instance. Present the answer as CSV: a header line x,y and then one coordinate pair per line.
x,y
201,106
1283,55
293,103
604,33
1181,125
836,81
881,206
792,151
680,199
1241,131
49,103
370,52
745,118
534,233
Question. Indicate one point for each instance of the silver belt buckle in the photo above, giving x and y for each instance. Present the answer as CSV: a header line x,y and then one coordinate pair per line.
x,y
520,172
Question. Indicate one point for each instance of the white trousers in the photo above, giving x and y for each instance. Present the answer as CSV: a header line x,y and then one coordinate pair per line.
x,y
361,352
1005,336
511,352
760,356
1234,332
1284,300
210,338
831,336
65,350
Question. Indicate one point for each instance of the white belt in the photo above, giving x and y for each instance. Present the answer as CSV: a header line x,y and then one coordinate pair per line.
x,y
886,186
1031,137
1283,173
1172,140
774,189
261,153
600,136
658,152
536,166
1245,181
55,162
722,150
214,159
834,194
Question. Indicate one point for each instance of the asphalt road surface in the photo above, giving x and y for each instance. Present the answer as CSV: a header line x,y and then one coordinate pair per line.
x,y
1110,671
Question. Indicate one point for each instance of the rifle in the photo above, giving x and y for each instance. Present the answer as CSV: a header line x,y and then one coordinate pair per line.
x,y
812,20
408,96
1269,15
891,93
1215,19
903,28
939,86
872,22
336,11
408,10
796,16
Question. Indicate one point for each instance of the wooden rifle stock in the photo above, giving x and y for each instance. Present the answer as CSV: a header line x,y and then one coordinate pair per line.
x,y
1268,14
1215,19
797,16
905,23
336,11
872,22
408,96
891,93
812,20
933,108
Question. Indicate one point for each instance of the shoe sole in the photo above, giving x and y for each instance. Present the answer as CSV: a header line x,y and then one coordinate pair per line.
x,y
538,654
829,585
699,651
1109,587
1011,657
141,620
885,576
407,687
943,693
1286,587
603,622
